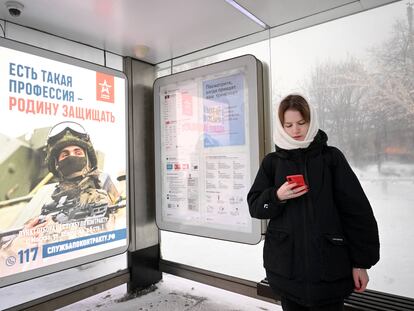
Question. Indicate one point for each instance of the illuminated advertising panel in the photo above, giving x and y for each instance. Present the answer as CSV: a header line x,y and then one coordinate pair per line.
x,y
63,198
207,149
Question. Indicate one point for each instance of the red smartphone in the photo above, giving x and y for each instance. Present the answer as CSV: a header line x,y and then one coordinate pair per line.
x,y
298,179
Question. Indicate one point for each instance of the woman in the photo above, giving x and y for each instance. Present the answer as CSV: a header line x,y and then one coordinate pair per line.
x,y
321,236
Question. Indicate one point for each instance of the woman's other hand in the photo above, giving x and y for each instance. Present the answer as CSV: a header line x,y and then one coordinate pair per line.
x,y
361,279
288,191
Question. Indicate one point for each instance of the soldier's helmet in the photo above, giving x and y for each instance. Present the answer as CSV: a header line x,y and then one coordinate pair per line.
x,y
65,134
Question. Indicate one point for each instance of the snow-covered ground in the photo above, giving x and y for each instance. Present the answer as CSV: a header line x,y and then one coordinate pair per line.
x,y
173,294
170,294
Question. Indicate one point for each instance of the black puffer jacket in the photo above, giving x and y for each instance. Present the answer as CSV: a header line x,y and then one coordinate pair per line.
x,y
312,242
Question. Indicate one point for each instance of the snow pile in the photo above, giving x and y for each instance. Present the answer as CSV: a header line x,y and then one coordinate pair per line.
x,y
172,294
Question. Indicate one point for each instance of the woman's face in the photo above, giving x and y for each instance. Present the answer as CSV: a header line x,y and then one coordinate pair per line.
x,y
295,126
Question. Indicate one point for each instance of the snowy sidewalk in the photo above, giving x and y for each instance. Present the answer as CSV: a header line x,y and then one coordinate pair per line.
x,y
173,294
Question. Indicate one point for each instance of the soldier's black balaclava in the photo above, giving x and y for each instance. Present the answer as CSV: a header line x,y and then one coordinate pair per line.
x,y
71,165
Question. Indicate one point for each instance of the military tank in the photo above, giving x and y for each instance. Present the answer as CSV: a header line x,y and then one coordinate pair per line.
x,y
22,173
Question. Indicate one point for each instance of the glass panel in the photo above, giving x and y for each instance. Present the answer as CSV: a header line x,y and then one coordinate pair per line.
x,y
23,292
358,71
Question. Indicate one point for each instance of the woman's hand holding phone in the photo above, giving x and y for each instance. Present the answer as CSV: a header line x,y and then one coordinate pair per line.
x,y
294,187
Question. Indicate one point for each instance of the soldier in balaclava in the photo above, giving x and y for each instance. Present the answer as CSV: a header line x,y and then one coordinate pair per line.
x,y
72,159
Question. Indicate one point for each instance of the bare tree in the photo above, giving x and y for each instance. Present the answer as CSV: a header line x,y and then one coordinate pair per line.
x,y
338,90
370,113
392,106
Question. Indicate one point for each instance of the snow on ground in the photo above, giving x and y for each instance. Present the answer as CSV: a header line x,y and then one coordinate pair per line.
x,y
173,294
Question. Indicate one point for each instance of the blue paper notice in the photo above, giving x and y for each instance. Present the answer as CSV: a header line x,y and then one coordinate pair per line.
x,y
224,112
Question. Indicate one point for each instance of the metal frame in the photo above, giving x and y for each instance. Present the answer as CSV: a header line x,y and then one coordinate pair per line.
x,y
223,281
143,251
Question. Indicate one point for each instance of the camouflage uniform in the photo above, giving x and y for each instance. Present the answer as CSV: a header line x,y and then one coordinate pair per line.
x,y
77,197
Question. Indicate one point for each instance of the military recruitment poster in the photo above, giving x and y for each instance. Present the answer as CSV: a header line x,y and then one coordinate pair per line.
x,y
62,162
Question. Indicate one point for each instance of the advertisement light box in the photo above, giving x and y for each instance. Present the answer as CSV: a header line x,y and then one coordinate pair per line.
x,y
63,163
207,126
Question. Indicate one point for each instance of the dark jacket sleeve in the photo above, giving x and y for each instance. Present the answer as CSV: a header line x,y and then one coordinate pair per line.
x,y
262,199
358,221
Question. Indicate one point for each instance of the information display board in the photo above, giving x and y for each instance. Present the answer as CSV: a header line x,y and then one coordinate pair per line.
x,y
63,162
207,149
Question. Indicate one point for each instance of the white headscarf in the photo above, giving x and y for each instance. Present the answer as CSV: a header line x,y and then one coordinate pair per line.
x,y
284,141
